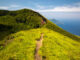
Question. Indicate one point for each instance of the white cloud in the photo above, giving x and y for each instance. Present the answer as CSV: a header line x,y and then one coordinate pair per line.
x,y
75,7
8,7
62,15
4,7
40,6
43,6
62,9
14,6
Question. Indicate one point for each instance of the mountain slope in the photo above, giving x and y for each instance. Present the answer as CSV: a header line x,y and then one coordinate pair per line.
x,y
19,31
24,19
21,46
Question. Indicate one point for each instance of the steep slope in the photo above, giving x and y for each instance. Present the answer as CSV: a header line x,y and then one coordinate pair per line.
x,y
22,45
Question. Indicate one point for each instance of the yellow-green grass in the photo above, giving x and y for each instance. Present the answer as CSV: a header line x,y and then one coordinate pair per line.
x,y
59,47
21,46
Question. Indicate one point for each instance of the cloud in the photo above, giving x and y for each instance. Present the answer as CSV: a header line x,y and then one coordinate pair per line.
x,y
14,6
40,6
8,7
4,7
43,7
62,9
75,7
70,12
62,15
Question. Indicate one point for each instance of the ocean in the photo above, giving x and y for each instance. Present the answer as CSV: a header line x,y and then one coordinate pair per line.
x,y
72,26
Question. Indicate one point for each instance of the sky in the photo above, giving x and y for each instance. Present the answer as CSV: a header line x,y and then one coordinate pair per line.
x,y
51,9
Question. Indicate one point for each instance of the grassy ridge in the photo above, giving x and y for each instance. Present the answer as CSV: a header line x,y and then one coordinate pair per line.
x,y
25,19
14,21
21,46
20,29
56,46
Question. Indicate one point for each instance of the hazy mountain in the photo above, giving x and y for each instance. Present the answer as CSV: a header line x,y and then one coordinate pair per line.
x,y
55,21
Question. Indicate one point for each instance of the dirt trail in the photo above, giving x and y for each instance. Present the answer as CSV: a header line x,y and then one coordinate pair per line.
x,y
38,45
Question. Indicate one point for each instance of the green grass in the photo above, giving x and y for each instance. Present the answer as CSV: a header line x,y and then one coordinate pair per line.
x,y
21,46
20,29
25,19
59,47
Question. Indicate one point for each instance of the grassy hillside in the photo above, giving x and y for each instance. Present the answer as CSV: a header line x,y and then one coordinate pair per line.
x,y
19,31
21,46
14,21
56,46
25,19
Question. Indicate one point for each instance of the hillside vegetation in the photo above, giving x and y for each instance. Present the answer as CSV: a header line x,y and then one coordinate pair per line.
x,y
21,46
19,31
25,19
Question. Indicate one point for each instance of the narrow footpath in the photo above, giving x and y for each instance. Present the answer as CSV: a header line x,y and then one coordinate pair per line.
x,y
38,46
